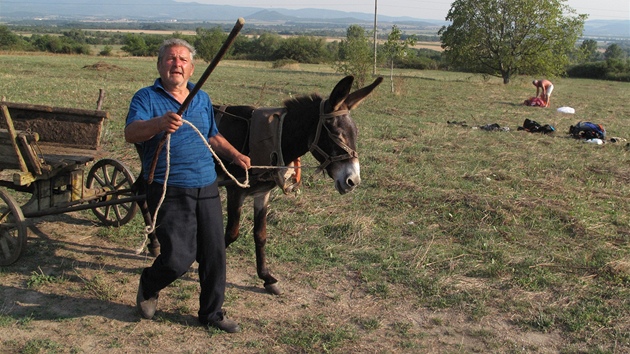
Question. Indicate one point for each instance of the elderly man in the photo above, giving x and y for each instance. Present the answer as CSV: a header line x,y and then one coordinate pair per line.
x,y
189,224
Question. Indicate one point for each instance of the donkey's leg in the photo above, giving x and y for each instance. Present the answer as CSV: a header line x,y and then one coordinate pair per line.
x,y
261,207
235,199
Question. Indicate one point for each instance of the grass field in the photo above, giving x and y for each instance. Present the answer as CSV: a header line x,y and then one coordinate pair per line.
x,y
457,240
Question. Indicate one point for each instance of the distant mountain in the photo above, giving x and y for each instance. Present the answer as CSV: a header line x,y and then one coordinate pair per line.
x,y
607,28
169,10
154,10
172,11
270,16
320,14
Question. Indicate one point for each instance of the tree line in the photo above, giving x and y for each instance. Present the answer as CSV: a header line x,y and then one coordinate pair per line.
x,y
501,38
265,46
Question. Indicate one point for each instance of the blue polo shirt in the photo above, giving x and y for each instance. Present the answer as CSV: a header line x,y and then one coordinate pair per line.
x,y
191,163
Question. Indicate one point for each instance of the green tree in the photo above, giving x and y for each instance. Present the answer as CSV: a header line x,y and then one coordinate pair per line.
x,y
10,40
395,48
588,50
302,49
135,45
75,35
142,45
509,37
265,45
48,43
355,55
208,42
614,51
241,48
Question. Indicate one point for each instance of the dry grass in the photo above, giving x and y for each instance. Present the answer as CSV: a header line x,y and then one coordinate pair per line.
x,y
457,240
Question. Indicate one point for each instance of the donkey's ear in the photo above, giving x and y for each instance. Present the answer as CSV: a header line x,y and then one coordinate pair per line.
x,y
340,92
359,95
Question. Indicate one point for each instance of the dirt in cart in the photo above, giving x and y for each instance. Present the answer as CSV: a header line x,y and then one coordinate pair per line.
x,y
64,133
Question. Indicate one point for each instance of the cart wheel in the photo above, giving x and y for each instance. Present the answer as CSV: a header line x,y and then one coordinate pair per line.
x,y
112,176
12,230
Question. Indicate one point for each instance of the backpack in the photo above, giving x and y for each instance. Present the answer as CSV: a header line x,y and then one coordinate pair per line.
x,y
587,130
533,126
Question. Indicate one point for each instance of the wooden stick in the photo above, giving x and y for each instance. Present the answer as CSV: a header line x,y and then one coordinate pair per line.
x,y
99,101
224,48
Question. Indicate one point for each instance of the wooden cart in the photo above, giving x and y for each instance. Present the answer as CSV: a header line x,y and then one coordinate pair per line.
x,y
43,151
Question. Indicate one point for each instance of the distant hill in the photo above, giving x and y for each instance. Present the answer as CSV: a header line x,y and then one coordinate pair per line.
x,y
172,11
607,28
154,10
169,10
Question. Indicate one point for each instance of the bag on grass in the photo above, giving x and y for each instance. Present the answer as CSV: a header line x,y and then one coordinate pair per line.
x,y
587,130
533,126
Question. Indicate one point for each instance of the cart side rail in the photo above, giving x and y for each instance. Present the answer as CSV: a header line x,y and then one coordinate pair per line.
x,y
39,141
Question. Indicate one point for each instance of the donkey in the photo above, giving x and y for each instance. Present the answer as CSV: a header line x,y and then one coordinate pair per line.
x,y
306,123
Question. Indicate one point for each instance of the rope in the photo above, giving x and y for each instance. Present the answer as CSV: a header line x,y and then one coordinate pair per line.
x,y
149,229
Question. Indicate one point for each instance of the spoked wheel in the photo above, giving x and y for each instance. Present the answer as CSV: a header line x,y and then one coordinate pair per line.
x,y
12,230
116,180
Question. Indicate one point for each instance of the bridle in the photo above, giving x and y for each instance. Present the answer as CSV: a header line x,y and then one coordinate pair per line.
x,y
350,153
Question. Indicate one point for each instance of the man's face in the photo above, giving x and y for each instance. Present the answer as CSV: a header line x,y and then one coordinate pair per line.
x,y
175,67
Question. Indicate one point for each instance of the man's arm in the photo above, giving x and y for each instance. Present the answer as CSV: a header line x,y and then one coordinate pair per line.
x,y
143,130
223,148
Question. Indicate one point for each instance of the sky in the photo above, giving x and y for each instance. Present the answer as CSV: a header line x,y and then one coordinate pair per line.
x,y
422,9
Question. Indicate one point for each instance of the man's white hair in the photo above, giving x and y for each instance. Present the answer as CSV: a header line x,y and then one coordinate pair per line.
x,y
175,42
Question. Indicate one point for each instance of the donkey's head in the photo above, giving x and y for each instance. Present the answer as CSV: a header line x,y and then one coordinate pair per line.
x,y
335,142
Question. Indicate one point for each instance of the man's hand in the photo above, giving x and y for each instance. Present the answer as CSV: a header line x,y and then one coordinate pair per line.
x,y
143,130
242,161
170,122
223,148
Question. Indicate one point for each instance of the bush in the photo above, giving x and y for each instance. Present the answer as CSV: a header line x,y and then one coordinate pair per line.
x,y
418,63
285,63
79,48
612,69
142,45
107,51
420,59
618,65
10,40
624,77
303,49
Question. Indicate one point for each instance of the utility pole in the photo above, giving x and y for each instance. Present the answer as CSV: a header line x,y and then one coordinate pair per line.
x,y
375,36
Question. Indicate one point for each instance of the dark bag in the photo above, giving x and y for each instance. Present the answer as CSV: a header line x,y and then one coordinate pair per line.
x,y
533,126
587,130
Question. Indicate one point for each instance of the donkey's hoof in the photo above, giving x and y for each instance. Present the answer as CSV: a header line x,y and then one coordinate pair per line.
x,y
273,289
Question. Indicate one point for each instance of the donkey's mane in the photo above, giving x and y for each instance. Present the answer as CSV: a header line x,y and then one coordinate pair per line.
x,y
298,103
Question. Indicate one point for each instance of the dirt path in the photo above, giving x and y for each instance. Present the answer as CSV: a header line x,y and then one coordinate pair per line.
x,y
74,292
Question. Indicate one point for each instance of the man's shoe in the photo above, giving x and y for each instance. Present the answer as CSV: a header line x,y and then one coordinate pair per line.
x,y
146,307
223,324
226,325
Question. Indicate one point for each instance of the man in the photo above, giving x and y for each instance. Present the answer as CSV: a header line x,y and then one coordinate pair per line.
x,y
546,87
189,223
